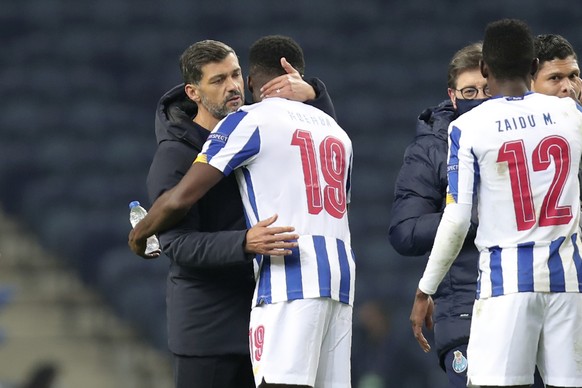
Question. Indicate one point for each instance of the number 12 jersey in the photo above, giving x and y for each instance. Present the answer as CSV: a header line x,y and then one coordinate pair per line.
x,y
293,160
523,154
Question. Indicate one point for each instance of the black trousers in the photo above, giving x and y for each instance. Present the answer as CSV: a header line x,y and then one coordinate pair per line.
x,y
228,371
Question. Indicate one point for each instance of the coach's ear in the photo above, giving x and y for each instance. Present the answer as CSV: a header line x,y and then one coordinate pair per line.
x,y
192,92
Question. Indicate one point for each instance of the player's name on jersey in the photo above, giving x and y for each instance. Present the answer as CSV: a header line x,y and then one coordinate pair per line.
x,y
321,120
523,122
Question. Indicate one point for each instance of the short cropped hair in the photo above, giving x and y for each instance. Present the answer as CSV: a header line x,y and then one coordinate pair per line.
x,y
466,58
552,46
200,54
508,48
265,55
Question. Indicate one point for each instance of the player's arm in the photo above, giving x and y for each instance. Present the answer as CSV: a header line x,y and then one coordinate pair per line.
x,y
451,232
171,207
448,242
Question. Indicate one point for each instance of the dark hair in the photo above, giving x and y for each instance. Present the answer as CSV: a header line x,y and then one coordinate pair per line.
x,y
508,48
265,55
552,46
199,54
466,58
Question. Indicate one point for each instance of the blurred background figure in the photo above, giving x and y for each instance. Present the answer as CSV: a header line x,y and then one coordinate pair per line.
x,y
44,375
6,295
379,355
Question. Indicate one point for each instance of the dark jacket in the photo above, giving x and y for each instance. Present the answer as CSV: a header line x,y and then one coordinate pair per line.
x,y
210,280
419,201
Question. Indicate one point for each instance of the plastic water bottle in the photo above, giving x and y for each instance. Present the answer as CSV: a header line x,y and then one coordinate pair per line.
x,y
136,213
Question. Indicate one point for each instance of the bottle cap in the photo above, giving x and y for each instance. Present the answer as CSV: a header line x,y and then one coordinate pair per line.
x,y
133,204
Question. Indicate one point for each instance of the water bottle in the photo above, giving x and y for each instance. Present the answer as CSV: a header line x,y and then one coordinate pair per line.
x,y
136,213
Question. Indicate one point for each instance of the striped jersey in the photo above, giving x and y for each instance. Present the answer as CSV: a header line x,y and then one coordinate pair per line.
x,y
521,155
293,160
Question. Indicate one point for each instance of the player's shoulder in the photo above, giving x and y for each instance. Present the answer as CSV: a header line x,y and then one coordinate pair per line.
x,y
566,105
547,100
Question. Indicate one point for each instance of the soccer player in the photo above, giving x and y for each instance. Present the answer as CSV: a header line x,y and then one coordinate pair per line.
x,y
558,73
293,160
521,152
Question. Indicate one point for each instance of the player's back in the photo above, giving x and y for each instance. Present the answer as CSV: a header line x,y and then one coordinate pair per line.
x,y
302,174
302,169
293,160
525,155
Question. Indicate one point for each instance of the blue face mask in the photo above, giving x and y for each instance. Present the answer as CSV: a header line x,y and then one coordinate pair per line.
x,y
463,106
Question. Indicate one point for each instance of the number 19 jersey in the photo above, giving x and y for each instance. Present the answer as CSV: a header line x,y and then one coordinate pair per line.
x,y
293,160
523,154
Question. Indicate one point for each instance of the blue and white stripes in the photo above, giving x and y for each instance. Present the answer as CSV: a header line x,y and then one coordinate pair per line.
x,y
531,267
319,267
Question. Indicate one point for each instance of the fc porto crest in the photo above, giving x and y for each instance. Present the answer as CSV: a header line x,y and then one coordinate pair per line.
x,y
459,362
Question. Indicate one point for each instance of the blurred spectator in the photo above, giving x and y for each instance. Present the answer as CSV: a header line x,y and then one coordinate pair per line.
x,y
6,295
379,357
42,376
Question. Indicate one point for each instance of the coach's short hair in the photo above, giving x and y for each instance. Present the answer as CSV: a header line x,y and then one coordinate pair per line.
x,y
199,54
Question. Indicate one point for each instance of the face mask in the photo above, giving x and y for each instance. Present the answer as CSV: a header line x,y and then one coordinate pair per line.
x,y
463,106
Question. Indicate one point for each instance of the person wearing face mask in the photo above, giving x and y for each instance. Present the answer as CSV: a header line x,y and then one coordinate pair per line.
x,y
419,201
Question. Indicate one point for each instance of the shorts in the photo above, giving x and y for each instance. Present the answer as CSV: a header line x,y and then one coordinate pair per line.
x,y
302,342
512,333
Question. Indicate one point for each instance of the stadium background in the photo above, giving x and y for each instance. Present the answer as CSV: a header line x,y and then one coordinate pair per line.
x,y
80,81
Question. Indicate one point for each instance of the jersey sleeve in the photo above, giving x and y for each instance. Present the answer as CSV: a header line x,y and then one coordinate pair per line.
x,y
462,167
448,242
233,143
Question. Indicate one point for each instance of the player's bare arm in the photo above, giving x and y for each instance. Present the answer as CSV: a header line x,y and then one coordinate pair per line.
x,y
173,205
290,86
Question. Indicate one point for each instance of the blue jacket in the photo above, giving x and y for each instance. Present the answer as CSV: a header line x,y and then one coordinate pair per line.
x,y
419,201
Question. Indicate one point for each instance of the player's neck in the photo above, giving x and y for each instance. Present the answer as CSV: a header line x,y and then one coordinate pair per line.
x,y
509,88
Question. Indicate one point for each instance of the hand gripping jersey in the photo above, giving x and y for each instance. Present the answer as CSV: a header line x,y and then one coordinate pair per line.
x,y
523,153
293,160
